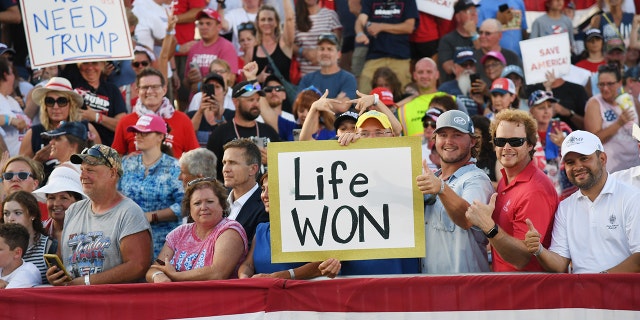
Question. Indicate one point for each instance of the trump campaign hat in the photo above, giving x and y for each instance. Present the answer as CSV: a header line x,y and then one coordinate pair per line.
x,y
149,123
385,95
582,142
503,86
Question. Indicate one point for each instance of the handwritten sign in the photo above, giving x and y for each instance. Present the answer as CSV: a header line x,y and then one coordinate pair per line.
x,y
71,31
543,54
351,203
438,8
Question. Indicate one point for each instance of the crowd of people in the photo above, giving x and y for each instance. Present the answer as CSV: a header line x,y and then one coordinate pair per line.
x,y
156,169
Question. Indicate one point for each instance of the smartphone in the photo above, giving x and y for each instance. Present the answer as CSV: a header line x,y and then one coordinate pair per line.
x,y
503,7
208,89
474,77
193,65
53,260
160,262
296,134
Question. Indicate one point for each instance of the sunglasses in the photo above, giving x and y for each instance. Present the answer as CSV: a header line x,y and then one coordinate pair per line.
x,y
329,37
194,181
514,142
21,175
246,26
428,124
61,101
247,88
98,154
137,64
270,89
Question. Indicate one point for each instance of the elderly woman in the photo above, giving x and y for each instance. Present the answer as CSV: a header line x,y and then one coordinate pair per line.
x,y
62,189
58,102
211,247
22,207
258,263
150,178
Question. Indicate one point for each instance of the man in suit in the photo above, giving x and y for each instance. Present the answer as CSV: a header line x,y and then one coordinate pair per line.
x,y
240,168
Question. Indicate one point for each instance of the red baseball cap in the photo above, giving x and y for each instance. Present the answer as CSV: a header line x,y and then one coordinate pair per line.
x,y
385,95
213,14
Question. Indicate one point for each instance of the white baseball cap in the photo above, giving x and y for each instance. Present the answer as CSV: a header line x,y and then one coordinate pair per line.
x,y
582,142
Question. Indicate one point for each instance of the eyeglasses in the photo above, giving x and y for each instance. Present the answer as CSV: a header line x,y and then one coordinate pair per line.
x,y
492,65
98,154
137,64
152,87
219,71
270,89
246,26
194,181
21,175
514,142
428,124
377,133
247,88
51,102
606,84
486,33
314,89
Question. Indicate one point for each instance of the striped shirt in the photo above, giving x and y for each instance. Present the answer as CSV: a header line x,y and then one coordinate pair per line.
x,y
324,21
35,255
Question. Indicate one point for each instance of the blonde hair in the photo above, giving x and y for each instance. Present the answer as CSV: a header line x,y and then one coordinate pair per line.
x,y
74,112
276,31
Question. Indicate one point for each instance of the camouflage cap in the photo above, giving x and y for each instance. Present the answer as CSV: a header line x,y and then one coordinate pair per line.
x,y
99,154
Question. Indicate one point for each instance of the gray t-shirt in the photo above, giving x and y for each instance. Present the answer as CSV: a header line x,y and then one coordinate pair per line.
x,y
91,243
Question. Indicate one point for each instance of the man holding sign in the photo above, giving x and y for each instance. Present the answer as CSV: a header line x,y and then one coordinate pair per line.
x,y
454,245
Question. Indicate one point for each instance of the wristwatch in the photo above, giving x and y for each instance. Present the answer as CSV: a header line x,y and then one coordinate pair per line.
x,y
493,232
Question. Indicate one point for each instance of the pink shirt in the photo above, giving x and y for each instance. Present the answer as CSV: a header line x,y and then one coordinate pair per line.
x,y
530,195
189,252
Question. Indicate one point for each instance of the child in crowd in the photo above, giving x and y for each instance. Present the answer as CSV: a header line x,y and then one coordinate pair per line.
x,y
15,272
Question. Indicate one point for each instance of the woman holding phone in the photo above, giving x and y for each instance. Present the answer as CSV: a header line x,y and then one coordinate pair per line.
x,y
209,247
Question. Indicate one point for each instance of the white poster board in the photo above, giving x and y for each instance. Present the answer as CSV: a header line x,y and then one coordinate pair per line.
x,y
438,8
543,54
62,32
351,203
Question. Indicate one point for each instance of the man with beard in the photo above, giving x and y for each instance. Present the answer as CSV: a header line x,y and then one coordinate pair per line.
x,y
246,97
341,84
464,66
453,244
524,192
596,228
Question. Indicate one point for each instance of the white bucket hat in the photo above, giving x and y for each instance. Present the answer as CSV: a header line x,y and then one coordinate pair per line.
x,y
62,179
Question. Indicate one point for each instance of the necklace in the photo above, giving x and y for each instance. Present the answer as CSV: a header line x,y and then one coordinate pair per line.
x,y
149,164
235,127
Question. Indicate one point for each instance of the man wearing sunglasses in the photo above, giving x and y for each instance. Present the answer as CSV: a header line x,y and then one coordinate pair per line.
x,y
94,225
246,98
453,244
524,192
465,65
595,228
341,84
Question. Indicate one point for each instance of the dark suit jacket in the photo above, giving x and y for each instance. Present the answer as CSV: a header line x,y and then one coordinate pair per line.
x,y
252,213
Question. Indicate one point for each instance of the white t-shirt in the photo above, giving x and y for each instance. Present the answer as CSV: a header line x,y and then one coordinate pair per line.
x,y
12,137
598,235
25,276
152,25
236,17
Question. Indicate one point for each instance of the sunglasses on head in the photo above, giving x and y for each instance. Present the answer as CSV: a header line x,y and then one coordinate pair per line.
x,y
98,154
328,36
514,142
21,175
246,26
274,88
137,64
248,88
61,101
194,181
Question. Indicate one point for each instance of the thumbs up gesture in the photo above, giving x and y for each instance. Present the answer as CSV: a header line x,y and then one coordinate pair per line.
x,y
479,214
427,182
532,238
